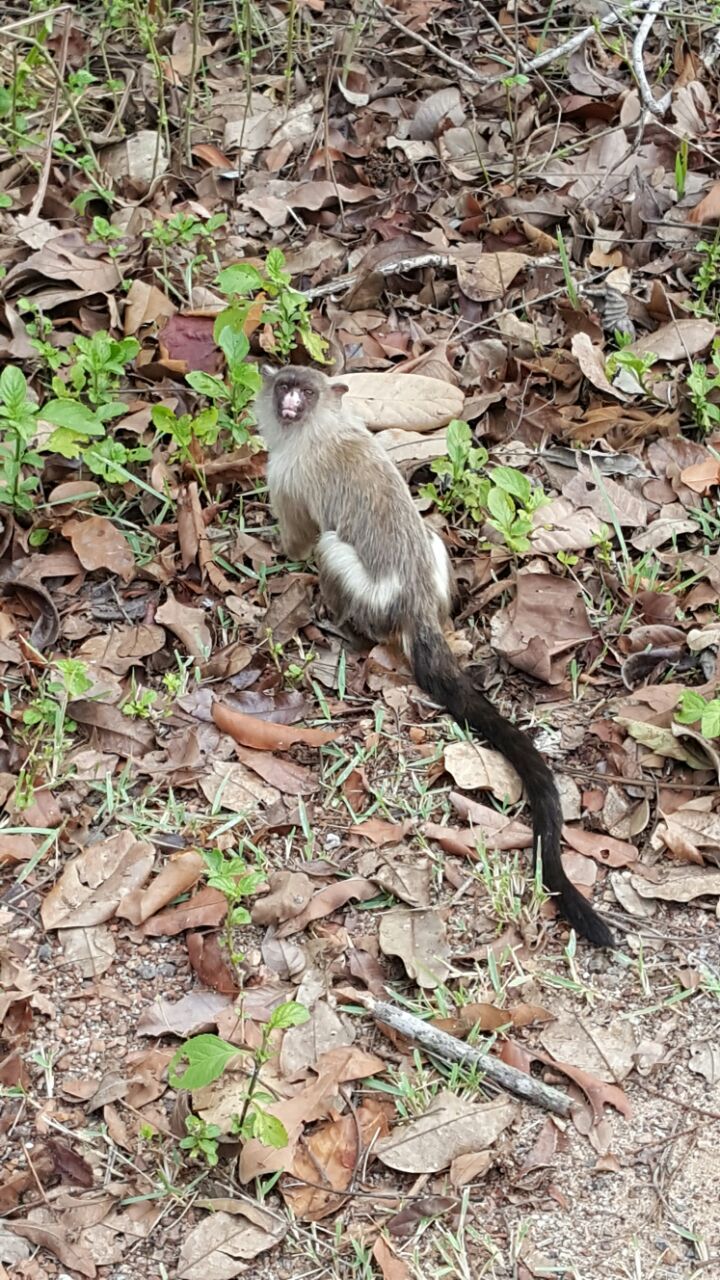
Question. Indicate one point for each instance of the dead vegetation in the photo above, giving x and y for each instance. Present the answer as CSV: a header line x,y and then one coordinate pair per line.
x,y
226,839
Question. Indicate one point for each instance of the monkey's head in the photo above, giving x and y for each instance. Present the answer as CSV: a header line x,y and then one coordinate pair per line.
x,y
297,392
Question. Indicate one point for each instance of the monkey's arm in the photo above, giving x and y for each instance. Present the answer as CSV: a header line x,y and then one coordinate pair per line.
x,y
298,532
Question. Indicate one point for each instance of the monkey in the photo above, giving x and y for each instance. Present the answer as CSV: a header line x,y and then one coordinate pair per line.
x,y
386,575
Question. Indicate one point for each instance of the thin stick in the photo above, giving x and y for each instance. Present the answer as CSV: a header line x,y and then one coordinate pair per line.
x,y
536,64
450,1049
658,106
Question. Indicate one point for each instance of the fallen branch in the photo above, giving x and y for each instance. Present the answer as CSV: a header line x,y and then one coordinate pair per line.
x,y
658,106
414,262
528,68
450,1049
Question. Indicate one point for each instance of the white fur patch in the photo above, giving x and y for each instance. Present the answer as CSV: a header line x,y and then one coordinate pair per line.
x,y
341,560
442,572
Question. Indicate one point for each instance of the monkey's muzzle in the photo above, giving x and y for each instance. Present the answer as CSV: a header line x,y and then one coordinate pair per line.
x,y
292,404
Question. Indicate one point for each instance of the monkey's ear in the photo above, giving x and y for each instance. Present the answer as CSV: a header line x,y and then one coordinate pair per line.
x,y
340,389
268,371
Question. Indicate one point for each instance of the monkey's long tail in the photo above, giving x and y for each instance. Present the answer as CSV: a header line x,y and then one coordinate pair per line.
x,y
438,674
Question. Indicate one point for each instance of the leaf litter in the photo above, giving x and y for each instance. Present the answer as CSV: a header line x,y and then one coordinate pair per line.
x,y
484,228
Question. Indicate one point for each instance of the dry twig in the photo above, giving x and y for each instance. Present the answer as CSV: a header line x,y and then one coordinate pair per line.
x,y
658,106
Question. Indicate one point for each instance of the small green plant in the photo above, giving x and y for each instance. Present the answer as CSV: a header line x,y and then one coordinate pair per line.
x,y
504,497
701,384
706,281
191,434
201,1140
285,310
570,285
694,707
681,168
141,706
640,366
203,1059
38,328
48,728
104,232
231,875
18,425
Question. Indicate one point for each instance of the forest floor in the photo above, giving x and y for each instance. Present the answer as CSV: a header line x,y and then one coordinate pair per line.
x,y
224,834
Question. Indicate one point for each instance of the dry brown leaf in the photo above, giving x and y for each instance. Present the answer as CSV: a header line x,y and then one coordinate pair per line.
x,y
435,113
596,1091
604,848
679,884
112,731
204,909
188,625
290,893
177,876
678,340
691,833
473,767
379,831
98,544
592,364
230,785
263,735
91,950
142,157
708,209
607,1051
391,1267
703,476
288,777
189,1016
451,1127
419,938
92,885
425,403
211,963
219,1247
328,900
546,621
491,275
118,651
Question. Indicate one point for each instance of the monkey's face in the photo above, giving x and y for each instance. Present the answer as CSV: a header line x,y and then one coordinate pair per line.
x,y
294,396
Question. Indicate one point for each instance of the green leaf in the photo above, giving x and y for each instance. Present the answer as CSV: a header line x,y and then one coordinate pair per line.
x,y
207,385
269,1130
692,707
206,1057
73,416
13,388
315,345
242,278
459,438
512,482
501,507
275,267
710,722
290,1014
234,343
163,419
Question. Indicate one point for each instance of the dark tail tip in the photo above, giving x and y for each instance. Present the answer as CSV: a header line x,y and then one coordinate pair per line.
x,y
583,918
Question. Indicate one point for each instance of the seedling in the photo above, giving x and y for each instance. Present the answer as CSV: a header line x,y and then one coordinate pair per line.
x,y
284,310
701,384
203,1059
19,462
640,366
504,498
706,281
48,728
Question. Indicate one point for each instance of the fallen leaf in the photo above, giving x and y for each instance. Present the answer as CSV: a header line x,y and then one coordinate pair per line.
x,y
189,1016
143,157
51,1235
678,340
592,364
490,276
474,767
546,621
391,1267
264,735
90,949
423,405
232,786
708,209
598,845
608,1052
419,939
177,876
680,884
290,893
220,1245
288,777
326,901
90,887
702,476
451,1127
99,544
188,625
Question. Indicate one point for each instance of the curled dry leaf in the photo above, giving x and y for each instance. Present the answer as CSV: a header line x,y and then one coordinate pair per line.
x,y
546,621
425,403
230,785
327,900
205,909
678,340
290,893
263,735
91,886
451,1127
290,778
177,876
680,884
188,625
98,544
419,938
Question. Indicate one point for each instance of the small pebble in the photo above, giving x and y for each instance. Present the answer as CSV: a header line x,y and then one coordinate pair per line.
x,y
167,969
146,970
44,952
